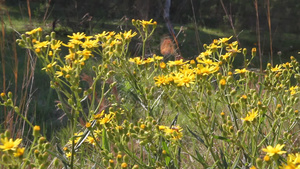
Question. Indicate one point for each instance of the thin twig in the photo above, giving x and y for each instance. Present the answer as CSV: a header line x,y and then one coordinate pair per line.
x,y
258,34
270,30
230,20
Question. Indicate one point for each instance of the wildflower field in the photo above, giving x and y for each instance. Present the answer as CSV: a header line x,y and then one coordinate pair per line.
x,y
155,111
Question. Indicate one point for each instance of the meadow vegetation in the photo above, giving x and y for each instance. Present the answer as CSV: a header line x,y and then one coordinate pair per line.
x,y
154,111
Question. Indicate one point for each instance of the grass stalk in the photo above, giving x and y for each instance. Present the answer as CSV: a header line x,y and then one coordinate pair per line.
x,y
258,34
270,30
29,11
2,46
196,29
230,20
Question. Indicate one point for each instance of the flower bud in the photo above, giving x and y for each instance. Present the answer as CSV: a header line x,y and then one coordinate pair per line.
x,y
126,158
253,52
53,35
259,162
135,167
5,158
7,134
244,51
36,131
47,37
124,165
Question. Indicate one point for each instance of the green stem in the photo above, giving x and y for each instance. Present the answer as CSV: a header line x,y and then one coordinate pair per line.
x,y
30,150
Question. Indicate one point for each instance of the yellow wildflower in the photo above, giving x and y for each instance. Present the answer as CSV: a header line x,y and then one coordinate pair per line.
x,y
70,56
101,35
206,61
99,115
64,70
85,53
68,155
184,79
158,57
205,54
49,66
175,132
226,56
233,50
162,127
185,69
50,53
213,47
250,116
224,41
19,152
206,70
107,118
146,23
10,144
253,52
276,68
136,60
39,29
36,128
90,43
37,50
56,45
294,159
91,140
69,45
124,165
148,60
266,158
88,124
241,71
41,44
271,151
162,65
176,62
77,36
128,35
222,82
161,80
294,90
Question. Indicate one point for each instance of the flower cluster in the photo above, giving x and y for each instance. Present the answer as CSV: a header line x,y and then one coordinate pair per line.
x,y
125,107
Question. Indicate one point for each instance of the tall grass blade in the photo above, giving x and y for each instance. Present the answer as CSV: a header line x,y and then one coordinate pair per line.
x,y
223,158
197,137
104,140
201,160
236,161
2,46
174,121
62,157
270,30
222,138
29,10
165,147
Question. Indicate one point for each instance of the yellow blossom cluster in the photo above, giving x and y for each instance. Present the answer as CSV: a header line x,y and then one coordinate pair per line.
x,y
174,132
139,61
12,145
182,73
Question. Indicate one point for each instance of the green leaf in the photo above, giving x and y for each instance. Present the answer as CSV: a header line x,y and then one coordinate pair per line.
x,y
165,147
224,162
201,159
197,137
236,160
105,145
222,138
61,157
